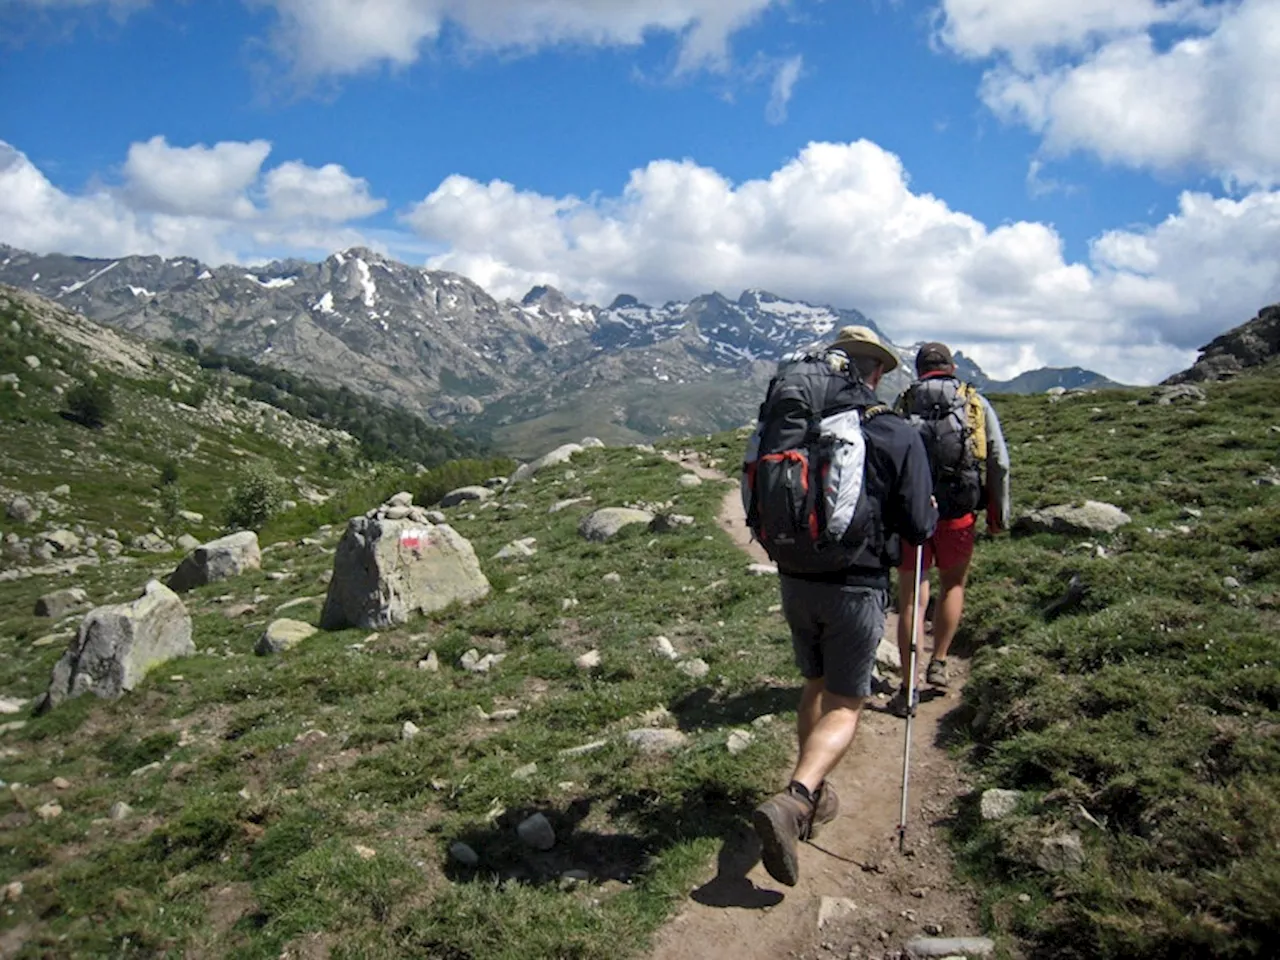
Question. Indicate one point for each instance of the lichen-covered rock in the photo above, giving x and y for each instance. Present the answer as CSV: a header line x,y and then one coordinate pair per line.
x,y
283,635
117,645
1089,517
217,560
605,523
386,571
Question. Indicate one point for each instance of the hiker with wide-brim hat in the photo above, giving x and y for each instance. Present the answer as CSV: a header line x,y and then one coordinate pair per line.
x,y
834,586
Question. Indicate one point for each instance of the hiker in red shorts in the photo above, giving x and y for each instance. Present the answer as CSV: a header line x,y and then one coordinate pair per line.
x,y
970,466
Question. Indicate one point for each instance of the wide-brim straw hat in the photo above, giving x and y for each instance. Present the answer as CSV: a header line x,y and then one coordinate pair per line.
x,y
863,342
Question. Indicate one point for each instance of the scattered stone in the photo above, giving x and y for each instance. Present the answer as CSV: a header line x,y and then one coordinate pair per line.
x,y
696,668
58,604
465,495
689,480
1061,854
364,853
933,929
120,810
152,543
592,443
61,490
525,772
568,603
588,661
888,655
566,504
238,610
670,522
738,741
537,832
48,811
218,560
13,726
612,578
21,510
584,749
472,662
604,524
1231,583
922,947
191,516
117,645
146,768
10,705
762,721
409,730
653,740
834,909
503,716
1192,513
663,648
1178,393
459,852
430,663
998,804
12,892
561,454
283,635
187,543
762,569
518,549
63,541
1091,517
61,783
385,571
295,602
435,516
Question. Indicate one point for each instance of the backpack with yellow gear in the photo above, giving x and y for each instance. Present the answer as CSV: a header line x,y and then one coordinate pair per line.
x,y
953,424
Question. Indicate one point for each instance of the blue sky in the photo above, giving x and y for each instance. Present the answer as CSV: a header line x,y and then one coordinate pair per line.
x,y
1089,184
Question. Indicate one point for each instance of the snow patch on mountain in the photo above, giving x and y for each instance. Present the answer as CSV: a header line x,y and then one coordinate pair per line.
x,y
73,287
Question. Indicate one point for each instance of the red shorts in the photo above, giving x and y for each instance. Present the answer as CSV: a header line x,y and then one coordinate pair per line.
x,y
950,546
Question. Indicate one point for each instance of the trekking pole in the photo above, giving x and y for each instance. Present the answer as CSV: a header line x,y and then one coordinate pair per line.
x,y
911,689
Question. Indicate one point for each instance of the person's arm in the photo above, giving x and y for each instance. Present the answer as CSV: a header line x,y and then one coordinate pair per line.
x,y
997,472
914,493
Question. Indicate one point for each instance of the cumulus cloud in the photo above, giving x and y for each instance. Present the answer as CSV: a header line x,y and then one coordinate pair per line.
x,y
1097,75
840,224
214,203
341,37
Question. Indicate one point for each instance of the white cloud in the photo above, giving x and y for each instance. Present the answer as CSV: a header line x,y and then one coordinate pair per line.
x,y
198,201
840,224
784,84
341,37
1096,75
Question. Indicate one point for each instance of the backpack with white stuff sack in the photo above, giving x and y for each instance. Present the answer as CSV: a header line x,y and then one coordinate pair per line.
x,y
953,424
803,476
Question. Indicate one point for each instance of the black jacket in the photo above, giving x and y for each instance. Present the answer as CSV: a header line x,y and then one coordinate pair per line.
x,y
899,486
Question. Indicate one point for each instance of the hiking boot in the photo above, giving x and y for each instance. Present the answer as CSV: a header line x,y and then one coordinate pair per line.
x,y
826,807
781,823
898,705
936,675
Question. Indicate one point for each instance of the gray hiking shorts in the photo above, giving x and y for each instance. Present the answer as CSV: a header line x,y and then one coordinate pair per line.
x,y
835,630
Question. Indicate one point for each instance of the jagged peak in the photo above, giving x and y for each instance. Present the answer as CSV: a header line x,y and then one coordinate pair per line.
x,y
625,301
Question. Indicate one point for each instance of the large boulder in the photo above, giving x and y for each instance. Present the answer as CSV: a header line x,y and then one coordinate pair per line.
x,y
605,523
387,570
1091,517
58,604
117,645
464,494
558,455
217,560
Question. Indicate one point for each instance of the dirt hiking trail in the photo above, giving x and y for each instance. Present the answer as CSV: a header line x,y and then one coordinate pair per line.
x,y
875,898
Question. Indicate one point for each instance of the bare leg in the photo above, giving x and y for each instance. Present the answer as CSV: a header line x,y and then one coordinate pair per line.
x,y
905,583
829,739
810,710
950,608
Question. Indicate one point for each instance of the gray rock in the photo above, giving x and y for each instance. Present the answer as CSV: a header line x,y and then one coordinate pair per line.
x,y
566,504
63,541
120,810
655,740
588,661
1178,393
670,522
559,455
834,909
605,523
888,655
283,635
762,569
584,749
385,571
664,649
397,513
696,668
21,510
409,730
11,705
58,604
1091,517
463,854
524,773
1061,854
430,663
465,495
517,550
922,947
61,490
187,543
738,741
1231,583
218,560
32,361
435,516
472,662
592,443
191,516
537,832
689,480
117,645
152,543
998,804
401,499
612,578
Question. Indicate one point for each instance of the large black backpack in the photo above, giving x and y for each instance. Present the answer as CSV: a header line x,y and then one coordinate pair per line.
x,y
803,476
949,417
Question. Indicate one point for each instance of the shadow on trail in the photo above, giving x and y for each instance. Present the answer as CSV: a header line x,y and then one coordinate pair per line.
x,y
647,824
704,708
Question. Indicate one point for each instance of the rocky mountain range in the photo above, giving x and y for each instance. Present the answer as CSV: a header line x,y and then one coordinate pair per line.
x,y
1251,344
439,345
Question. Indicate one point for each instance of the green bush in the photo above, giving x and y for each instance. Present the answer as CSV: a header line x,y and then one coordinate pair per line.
x,y
91,403
435,483
256,498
